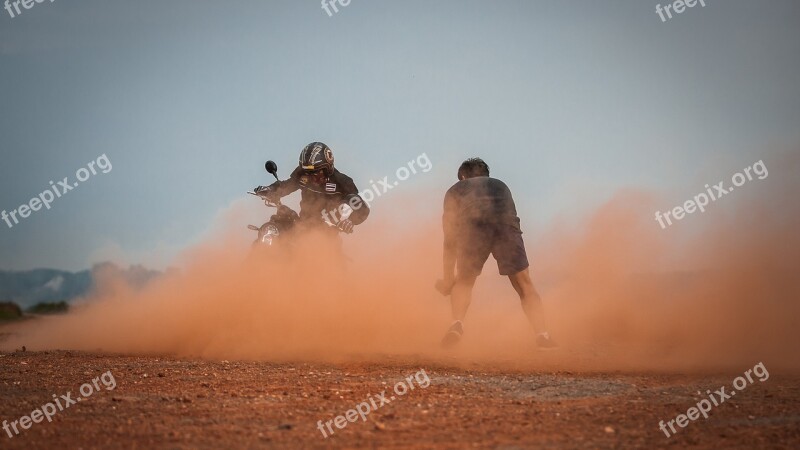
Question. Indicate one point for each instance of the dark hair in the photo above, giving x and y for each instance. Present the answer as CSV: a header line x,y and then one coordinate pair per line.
x,y
473,167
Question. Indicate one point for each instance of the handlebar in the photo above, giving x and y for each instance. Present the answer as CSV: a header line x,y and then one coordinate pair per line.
x,y
276,203
267,201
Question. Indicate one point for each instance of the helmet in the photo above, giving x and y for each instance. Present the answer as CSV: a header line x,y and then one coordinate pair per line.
x,y
317,157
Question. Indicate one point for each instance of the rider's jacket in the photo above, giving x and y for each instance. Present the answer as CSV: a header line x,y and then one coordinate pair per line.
x,y
315,200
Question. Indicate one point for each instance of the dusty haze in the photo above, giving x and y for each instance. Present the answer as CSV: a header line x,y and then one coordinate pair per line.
x,y
717,289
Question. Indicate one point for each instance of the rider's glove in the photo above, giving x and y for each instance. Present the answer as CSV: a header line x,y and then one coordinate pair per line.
x,y
345,225
268,193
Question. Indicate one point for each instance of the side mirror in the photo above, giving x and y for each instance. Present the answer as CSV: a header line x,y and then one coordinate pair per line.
x,y
272,168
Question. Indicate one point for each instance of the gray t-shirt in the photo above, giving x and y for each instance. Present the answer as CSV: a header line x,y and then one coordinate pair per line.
x,y
478,201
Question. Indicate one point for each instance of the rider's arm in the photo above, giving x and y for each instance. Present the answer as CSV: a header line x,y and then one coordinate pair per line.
x,y
351,197
287,186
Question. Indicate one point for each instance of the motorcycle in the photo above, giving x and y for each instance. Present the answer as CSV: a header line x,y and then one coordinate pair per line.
x,y
284,220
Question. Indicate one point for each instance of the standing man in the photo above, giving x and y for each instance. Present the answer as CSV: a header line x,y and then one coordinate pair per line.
x,y
480,218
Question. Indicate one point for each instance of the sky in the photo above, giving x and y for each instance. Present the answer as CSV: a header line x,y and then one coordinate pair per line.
x,y
568,102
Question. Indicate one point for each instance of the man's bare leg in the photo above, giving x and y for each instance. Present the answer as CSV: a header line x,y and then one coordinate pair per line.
x,y
531,302
460,298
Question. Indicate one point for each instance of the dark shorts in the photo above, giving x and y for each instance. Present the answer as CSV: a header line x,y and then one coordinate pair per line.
x,y
502,241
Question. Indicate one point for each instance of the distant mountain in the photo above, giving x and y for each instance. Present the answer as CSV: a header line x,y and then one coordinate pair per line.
x,y
27,288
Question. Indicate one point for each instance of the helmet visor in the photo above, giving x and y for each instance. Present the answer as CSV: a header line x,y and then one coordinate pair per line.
x,y
317,176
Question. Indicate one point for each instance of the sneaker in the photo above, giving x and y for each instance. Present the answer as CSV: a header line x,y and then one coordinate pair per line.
x,y
453,334
543,340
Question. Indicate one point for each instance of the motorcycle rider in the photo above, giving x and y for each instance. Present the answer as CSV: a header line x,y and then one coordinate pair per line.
x,y
326,193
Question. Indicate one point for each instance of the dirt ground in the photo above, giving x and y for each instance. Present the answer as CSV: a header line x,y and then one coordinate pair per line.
x,y
168,402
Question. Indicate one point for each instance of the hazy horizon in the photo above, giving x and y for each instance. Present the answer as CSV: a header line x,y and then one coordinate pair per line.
x,y
569,103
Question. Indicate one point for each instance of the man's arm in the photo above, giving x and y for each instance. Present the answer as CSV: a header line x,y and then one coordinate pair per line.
x,y
449,247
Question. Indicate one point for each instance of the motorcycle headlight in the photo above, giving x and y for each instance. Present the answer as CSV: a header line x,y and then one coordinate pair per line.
x,y
269,234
